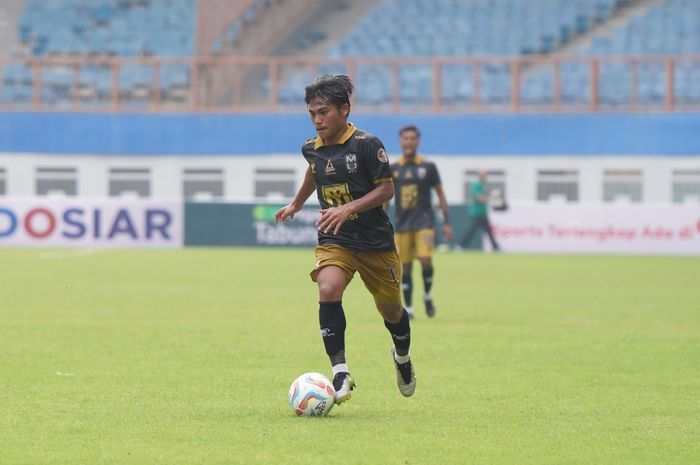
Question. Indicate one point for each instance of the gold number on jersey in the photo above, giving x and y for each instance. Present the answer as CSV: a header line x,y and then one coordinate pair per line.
x,y
337,195
409,196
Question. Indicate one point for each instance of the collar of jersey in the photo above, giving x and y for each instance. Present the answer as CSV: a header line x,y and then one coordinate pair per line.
x,y
418,160
347,135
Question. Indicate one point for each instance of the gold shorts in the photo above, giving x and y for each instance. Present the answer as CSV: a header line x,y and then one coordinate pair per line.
x,y
380,271
412,244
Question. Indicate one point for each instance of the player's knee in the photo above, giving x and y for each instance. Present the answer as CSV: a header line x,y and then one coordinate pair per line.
x,y
391,313
330,291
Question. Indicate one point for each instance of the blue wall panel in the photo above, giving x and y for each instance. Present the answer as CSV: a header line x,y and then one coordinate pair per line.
x,y
193,134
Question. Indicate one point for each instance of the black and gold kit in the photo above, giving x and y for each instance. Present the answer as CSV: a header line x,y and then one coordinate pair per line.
x,y
412,184
348,171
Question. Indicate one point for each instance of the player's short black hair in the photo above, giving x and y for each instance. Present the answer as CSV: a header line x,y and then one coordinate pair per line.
x,y
335,90
410,127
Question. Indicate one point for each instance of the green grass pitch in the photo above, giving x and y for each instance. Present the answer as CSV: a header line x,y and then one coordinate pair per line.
x,y
185,357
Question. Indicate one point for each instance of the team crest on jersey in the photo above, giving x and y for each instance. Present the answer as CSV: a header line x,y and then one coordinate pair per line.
x,y
422,172
409,175
330,169
351,162
381,155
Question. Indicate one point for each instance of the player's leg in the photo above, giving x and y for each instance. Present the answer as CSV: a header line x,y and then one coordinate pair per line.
x,y
397,322
425,245
405,243
333,272
473,228
489,231
380,272
428,273
407,286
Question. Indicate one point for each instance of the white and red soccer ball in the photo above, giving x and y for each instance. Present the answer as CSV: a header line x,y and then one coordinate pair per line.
x,y
311,395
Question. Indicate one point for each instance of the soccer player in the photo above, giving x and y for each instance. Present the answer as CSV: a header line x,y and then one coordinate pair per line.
x,y
414,179
349,170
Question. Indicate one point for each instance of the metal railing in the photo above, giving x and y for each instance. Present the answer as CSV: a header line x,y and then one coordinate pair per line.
x,y
570,84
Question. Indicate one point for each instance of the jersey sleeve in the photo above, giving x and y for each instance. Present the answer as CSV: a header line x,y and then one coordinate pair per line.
x,y
377,161
303,152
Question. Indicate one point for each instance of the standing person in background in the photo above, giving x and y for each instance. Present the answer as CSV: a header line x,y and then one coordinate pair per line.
x,y
414,179
478,213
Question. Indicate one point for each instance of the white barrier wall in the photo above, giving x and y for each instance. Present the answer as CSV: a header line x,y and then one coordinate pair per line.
x,y
628,229
166,174
81,222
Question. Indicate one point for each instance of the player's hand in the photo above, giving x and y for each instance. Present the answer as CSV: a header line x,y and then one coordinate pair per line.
x,y
286,213
447,232
332,219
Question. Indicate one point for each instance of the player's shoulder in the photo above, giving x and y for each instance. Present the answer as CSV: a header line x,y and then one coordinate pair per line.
x,y
427,162
308,144
364,138
370,145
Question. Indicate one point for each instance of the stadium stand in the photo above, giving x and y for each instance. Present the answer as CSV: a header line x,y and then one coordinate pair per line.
x,y
397,29
515,28
460,28
475,27
668,28
111,27
103,28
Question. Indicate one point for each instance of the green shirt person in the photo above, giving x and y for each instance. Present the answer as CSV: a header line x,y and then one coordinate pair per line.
x,y
478,213
479,199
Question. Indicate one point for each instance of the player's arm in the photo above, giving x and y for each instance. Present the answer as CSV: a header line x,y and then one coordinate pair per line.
x,y
308,186
333,218
386,204
442,200
482,198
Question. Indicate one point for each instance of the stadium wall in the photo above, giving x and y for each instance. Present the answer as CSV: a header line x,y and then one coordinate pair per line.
x,y
275,177
252,134
154,157
245,151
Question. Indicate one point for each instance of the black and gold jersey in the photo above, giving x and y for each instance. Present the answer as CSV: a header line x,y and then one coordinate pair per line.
x,y
412,186
348,171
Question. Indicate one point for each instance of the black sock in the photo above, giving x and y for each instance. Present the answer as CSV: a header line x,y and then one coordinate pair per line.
x,y
400,333
332,321
427,279
407,286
